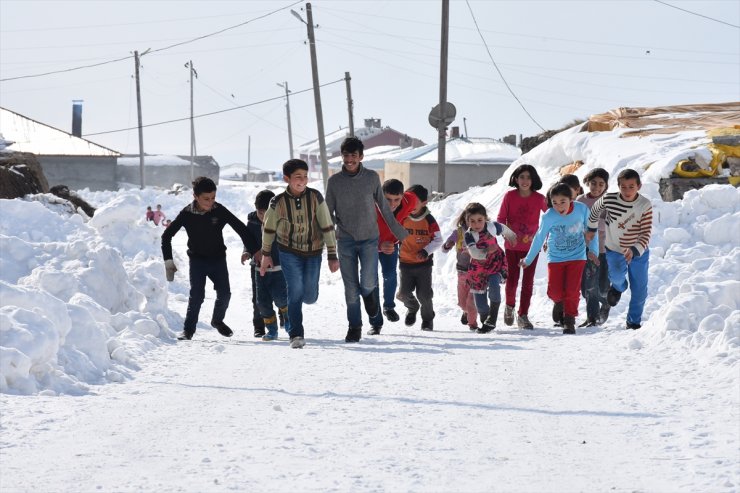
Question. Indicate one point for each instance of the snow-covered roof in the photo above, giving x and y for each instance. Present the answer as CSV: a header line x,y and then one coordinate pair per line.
x,y
474,150
334,139
41,139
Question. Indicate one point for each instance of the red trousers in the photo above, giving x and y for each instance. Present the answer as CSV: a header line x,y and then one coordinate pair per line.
x,y
512,280
564,284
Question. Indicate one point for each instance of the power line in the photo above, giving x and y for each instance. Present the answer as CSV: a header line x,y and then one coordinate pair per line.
x,y
155,50
696,14
498,70
212,112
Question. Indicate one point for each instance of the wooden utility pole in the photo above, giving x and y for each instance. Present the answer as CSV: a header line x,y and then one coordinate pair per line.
x,y
193,152
441,130
141,130
350,104
317,96
287,110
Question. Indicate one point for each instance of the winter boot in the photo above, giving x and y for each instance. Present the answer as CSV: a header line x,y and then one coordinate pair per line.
x,y
490,322
272,329
185,335
410,318
222,328
374,330
569,325
427,325
509,315
633,326
590,322
557,314
523,322
372,307
354,334
391,315
613,296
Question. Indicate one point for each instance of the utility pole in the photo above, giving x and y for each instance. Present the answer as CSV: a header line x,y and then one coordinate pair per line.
x,y
141,131
287,110
441,130
192,123
350,104
316,91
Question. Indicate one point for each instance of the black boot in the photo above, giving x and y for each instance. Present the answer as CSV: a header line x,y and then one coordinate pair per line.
x,y
569,325
490,322
354,334
372,307
557,314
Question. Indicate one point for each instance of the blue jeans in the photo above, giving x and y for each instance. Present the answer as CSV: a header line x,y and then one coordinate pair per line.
x,y
594,286
389,270
302,279
271,289
202,268
492,294
358,263
637,274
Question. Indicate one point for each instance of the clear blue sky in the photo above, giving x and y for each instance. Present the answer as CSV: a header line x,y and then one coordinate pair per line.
x,y
562,59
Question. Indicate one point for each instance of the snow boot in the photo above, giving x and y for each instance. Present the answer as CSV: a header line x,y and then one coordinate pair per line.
x,y
354,334
185,335
222,328
490,322
557,314
272,330
569,325
427,325
410,318
613,296
391,315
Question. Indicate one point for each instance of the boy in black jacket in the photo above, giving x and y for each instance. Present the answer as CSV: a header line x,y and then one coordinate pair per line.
x,y
204,220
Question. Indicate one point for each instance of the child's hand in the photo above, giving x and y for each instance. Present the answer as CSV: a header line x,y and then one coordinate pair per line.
x,y
169,269
387,247
258,257
265,264
508,235
522,264
245,257
593,258
627,252
469,238
333,266
422,255
448,246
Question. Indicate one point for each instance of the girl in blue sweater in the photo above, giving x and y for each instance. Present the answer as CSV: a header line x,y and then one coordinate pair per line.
x,y
564,225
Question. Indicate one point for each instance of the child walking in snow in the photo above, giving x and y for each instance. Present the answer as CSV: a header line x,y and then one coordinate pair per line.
x,y
595,282
520,211
487,263
465,299
416,261
629,224
564,225
158,216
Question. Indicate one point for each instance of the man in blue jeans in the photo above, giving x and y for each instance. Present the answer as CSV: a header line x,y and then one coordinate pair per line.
x,y
352,196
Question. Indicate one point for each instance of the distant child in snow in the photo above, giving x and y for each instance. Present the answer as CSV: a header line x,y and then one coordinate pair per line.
x,y
271,287
416,261
204,220
520,210
595,282
574,183
299,223
158,215
149,213
487,263
629,224
401,204
465,299
564,225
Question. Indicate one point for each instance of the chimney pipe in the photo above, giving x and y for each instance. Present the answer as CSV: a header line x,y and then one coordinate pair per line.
x,y
77,117
455,132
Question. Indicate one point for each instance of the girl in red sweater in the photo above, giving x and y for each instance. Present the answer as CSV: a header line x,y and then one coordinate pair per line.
x,y
520,210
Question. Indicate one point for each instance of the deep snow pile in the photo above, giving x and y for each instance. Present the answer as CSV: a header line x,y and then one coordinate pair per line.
x,y
81,300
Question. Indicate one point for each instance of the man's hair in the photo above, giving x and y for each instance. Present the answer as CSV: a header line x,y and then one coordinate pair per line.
x,y
352,144
421,193
203,184
597,173
393,187
262,201
292,165
628,174
536,180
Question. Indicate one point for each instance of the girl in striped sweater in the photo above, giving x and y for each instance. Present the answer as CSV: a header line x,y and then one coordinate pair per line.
x,y
629,224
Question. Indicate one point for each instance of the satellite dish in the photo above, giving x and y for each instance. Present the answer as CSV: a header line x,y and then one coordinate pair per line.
x,y
435,116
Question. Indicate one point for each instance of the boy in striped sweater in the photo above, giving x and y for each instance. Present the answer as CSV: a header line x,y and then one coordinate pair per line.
x,y
629,224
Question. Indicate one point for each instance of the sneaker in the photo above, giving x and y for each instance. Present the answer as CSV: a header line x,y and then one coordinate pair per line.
x,y
522,321
589,323
632,326
354,334
410,319
374,331
259,332
485,329
509,315
557,314
427,325
473,327
603,314
185,335
222,328
612,296
569,325
297,342
391,315
269,337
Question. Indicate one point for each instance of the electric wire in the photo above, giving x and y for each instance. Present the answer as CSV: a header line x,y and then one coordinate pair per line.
x,y
499,71
696,14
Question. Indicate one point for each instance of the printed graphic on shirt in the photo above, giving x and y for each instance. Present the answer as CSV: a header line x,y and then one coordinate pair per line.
x,y
567,238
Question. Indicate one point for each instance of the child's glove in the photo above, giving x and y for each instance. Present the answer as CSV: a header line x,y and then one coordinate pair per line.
x,y
469,238
422,254
170,268
508,234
